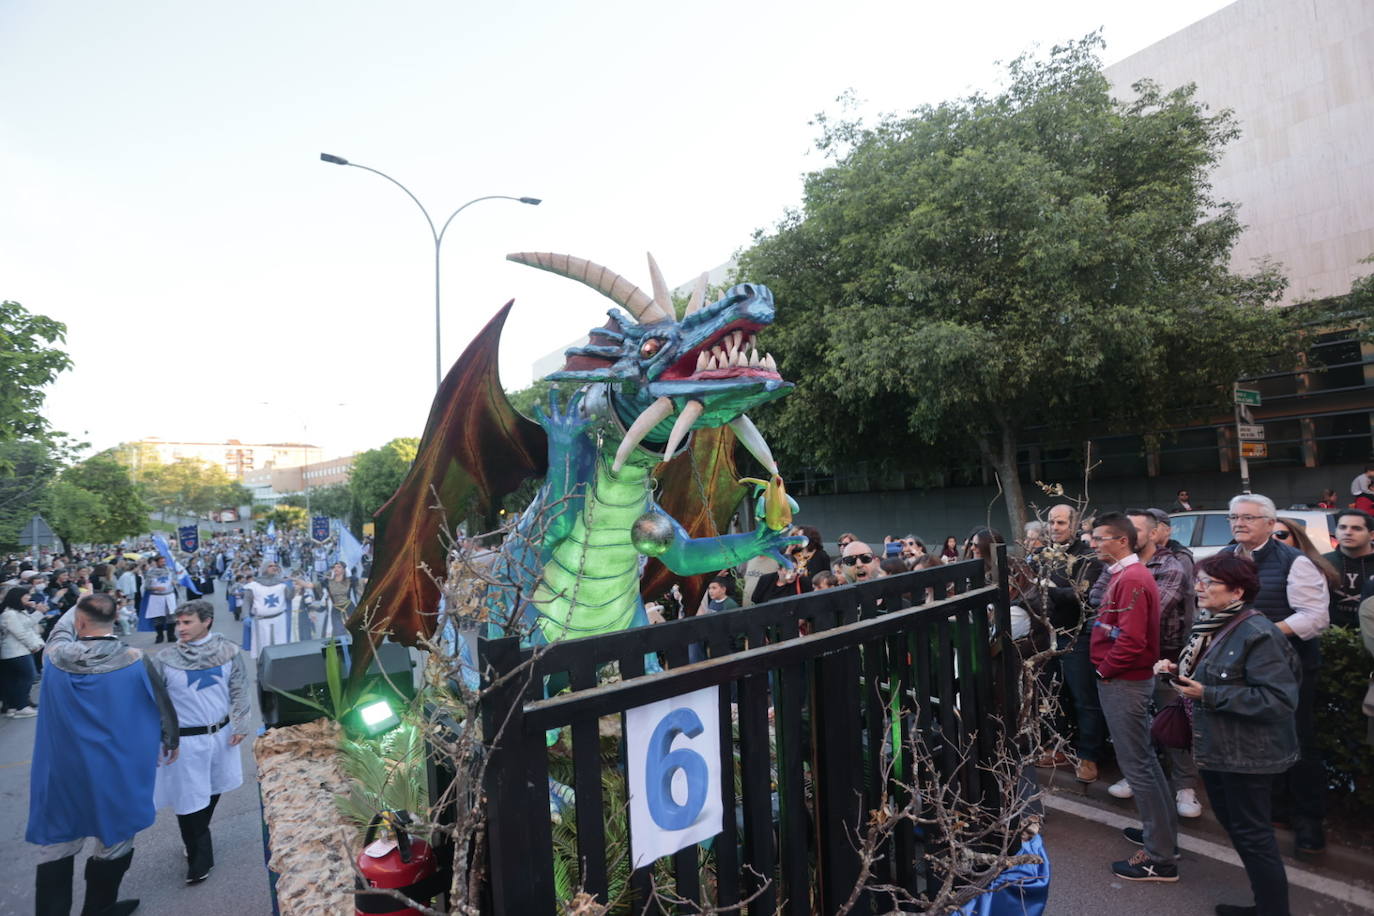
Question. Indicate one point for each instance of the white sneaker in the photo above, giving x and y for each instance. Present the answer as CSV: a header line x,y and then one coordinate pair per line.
x,y
28,712
1188,805
1120,789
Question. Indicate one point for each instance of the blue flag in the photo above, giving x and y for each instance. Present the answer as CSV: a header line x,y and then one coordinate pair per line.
x,y
189,538
183,578
272,530
1022,890
319,527
350,551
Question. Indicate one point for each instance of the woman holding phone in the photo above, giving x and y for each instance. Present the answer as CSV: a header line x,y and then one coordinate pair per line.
x,y
1241,677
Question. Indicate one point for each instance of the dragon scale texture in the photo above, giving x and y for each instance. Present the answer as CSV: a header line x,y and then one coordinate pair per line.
x,y
599,540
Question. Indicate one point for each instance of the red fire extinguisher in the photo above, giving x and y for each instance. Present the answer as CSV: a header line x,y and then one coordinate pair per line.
x,y
407,865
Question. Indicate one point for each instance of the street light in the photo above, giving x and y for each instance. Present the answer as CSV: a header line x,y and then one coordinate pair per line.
x,y
438,238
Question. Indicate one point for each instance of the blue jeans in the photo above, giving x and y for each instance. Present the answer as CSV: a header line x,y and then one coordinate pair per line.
x,y
1081,682
1126,706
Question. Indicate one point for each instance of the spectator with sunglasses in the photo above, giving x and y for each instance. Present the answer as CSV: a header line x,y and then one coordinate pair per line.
x,y
859,562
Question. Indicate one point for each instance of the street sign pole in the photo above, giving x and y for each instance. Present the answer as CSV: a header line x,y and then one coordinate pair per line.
x,y
1243,399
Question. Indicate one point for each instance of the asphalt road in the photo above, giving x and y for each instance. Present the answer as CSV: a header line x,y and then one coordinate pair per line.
x,y
237,886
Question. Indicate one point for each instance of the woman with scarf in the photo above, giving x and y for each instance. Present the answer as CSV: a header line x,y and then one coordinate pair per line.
x,y
1241,677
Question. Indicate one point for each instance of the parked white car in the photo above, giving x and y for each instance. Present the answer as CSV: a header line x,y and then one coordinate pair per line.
x,y
1206,531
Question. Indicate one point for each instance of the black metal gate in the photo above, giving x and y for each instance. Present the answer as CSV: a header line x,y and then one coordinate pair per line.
x,y
847,672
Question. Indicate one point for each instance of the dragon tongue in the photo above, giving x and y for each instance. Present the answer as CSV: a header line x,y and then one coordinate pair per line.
x,y
643,424
690,412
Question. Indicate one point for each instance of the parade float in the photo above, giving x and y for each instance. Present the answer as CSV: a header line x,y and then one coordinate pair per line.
x,y
841,750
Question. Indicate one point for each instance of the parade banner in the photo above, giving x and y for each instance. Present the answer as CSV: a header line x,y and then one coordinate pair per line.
x,y
350,551
319,527
189,538
183,578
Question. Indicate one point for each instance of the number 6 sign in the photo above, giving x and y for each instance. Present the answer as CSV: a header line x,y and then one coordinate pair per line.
x,y
673,752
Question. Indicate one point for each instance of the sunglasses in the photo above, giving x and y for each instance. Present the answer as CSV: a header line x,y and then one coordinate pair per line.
x,y
1281,535
864,558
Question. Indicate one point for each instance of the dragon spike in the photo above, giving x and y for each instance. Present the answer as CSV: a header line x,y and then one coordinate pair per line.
x,y
752,440
605,281
643,424
698,296
662,298
690,412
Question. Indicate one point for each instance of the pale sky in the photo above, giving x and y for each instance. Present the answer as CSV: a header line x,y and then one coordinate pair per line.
x,y
161,190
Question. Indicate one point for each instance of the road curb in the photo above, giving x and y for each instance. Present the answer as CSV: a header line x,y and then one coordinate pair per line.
x,y
1344,863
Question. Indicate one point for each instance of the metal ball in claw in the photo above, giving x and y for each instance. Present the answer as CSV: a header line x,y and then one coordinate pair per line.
x,y
652,534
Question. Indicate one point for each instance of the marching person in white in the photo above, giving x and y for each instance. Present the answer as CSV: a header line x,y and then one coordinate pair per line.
x,y
159,597
207,681
266,600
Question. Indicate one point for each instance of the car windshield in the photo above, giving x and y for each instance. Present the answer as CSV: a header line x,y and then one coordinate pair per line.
x,y
1216,531
1183,527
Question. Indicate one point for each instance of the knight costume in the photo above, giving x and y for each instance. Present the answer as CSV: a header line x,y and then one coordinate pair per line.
x,y
267,600
104,715
207,683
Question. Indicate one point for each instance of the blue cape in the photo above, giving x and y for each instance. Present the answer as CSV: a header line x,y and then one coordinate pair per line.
x,y
1022,890
94,756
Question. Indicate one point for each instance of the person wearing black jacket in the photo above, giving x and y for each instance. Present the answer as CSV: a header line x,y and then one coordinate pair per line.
x,y
1067,568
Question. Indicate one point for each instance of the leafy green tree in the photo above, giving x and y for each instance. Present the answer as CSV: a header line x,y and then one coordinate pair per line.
x,y
1044,257
378,472
27,364
189,486
32,467
335,501
525,399
125,512
75,513
287,518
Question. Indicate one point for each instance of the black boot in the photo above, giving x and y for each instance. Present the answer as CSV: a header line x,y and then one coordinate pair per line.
x,y
102,887
52,888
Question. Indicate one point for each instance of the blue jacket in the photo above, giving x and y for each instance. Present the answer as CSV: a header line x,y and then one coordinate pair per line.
x,y
1245,722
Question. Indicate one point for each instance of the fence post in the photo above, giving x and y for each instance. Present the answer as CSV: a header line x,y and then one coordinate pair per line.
x,y
1010,699
519,839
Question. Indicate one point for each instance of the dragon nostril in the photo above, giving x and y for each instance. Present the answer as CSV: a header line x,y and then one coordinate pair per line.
x,y
650,347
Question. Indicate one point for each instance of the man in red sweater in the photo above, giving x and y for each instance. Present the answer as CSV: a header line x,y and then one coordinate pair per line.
x,y
1125,646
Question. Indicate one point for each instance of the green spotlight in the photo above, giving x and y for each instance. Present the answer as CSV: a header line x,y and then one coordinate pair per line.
x,y
375,716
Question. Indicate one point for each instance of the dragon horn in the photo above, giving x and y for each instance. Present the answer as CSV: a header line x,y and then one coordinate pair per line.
x,y
651,417
662,298
683,426
698,296
752,440
606,282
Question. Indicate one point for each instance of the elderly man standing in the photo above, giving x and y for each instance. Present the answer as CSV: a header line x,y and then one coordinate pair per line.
x,y
207,681
1293,594
103,715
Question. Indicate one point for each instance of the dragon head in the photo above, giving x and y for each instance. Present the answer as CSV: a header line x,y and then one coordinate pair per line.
x,y
666,377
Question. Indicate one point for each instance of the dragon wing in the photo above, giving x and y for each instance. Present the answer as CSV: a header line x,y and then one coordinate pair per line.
x,y
700,488
476,449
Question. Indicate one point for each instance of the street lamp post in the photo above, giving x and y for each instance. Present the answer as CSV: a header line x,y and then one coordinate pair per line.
x,y
437,235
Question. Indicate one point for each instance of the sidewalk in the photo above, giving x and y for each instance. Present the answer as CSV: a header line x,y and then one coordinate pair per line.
x,y
1338,864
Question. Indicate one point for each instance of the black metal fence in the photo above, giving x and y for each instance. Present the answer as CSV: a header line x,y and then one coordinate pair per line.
x,y
832,665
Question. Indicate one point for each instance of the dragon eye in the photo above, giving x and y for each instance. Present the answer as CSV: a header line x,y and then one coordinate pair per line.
x,y
650,347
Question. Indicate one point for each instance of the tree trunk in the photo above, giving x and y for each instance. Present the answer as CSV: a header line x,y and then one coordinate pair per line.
x,y
1003,461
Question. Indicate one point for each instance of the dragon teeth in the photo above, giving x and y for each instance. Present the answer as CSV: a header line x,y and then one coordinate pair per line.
x,y
754,359
741,360
769,362
702,360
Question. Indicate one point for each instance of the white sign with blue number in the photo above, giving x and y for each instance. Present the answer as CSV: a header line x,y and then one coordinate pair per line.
x,y
673,748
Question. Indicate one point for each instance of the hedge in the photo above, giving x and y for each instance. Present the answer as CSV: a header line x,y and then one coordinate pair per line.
x,y
1342,727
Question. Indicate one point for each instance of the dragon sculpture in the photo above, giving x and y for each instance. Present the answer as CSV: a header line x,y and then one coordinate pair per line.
x,y
637,460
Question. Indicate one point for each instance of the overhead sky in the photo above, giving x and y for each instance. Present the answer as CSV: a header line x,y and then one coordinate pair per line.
x,y
161,190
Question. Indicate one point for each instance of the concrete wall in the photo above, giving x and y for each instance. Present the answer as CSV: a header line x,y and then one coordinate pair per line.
x,y
933,514
1300,79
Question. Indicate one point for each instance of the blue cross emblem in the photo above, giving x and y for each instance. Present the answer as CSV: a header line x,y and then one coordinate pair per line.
x,y
270,601
206,677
